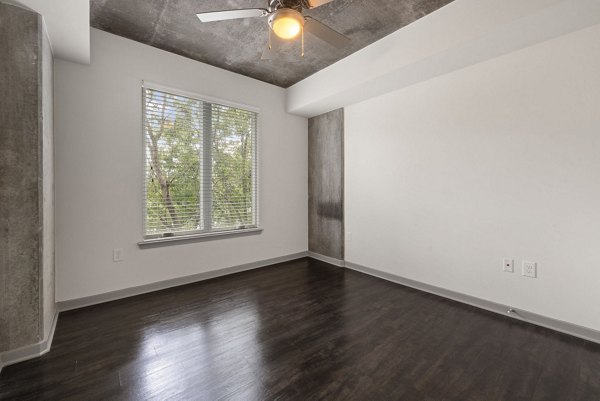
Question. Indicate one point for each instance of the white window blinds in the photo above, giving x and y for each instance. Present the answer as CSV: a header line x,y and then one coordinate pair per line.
x,y
200,166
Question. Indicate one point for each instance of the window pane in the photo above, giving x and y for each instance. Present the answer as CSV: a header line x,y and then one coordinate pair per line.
x,y
200,162
233,175
173,156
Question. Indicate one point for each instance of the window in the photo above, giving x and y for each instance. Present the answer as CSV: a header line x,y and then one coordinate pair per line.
x,y
200,166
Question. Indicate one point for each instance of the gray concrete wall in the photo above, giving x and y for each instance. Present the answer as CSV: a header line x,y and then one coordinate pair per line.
x,y
22,178
326,184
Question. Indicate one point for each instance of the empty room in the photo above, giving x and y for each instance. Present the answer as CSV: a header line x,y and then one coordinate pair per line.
x,y
300,200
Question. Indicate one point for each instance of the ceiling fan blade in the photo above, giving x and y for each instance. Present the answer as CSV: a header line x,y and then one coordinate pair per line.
x,y
232,14
325,33
317,3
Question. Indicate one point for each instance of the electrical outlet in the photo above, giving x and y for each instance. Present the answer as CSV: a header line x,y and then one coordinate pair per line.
x,y
508,265
118,255
529,269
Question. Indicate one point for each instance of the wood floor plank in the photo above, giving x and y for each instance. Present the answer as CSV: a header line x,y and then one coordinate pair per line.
x,y
302,330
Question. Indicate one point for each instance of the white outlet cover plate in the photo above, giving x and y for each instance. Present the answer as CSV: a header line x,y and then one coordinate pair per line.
x,y
508,265
529,269
118,255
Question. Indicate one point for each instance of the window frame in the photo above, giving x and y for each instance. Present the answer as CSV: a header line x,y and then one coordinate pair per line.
x,y
205,233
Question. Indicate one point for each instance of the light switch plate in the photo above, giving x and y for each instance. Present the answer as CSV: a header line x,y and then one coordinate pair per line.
x,y
118,255
529,269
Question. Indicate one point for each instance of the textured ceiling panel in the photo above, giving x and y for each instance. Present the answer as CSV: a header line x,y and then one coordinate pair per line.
x,y
237,45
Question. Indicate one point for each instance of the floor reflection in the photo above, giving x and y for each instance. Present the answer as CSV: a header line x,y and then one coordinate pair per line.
x,y
215,355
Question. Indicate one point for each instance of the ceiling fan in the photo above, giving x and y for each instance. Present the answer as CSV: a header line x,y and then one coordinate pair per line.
x,y
285,20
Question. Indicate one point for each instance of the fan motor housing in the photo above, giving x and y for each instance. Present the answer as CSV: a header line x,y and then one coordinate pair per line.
x,y
285,12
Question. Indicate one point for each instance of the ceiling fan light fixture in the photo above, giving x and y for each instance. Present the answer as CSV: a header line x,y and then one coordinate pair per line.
x,y
286,23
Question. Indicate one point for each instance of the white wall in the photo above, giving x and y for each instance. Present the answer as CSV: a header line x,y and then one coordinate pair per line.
x,y
98,139
460,34
67,23
501,159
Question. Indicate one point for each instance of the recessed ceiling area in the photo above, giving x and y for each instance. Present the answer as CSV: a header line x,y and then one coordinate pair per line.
x,y
237,45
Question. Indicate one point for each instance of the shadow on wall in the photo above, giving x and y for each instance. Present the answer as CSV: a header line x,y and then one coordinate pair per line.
x,y
331,210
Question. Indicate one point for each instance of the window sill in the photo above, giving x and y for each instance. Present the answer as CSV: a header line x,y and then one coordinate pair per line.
x,y
197,237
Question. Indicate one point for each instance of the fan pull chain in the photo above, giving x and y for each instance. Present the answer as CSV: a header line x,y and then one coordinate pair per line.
x,y
269,38
302,41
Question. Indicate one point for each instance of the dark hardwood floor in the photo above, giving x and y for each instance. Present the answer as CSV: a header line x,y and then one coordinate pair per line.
x,y
302,330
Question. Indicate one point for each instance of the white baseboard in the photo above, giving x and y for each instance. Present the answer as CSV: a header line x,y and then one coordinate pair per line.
x,y
29,351
530,317
326,259
161,285
39,349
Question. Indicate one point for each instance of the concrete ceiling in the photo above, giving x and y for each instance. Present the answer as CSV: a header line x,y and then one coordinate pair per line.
x,y
237,45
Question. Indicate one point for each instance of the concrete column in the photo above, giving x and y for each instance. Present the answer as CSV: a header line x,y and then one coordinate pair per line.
x,y
326,184
26,245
